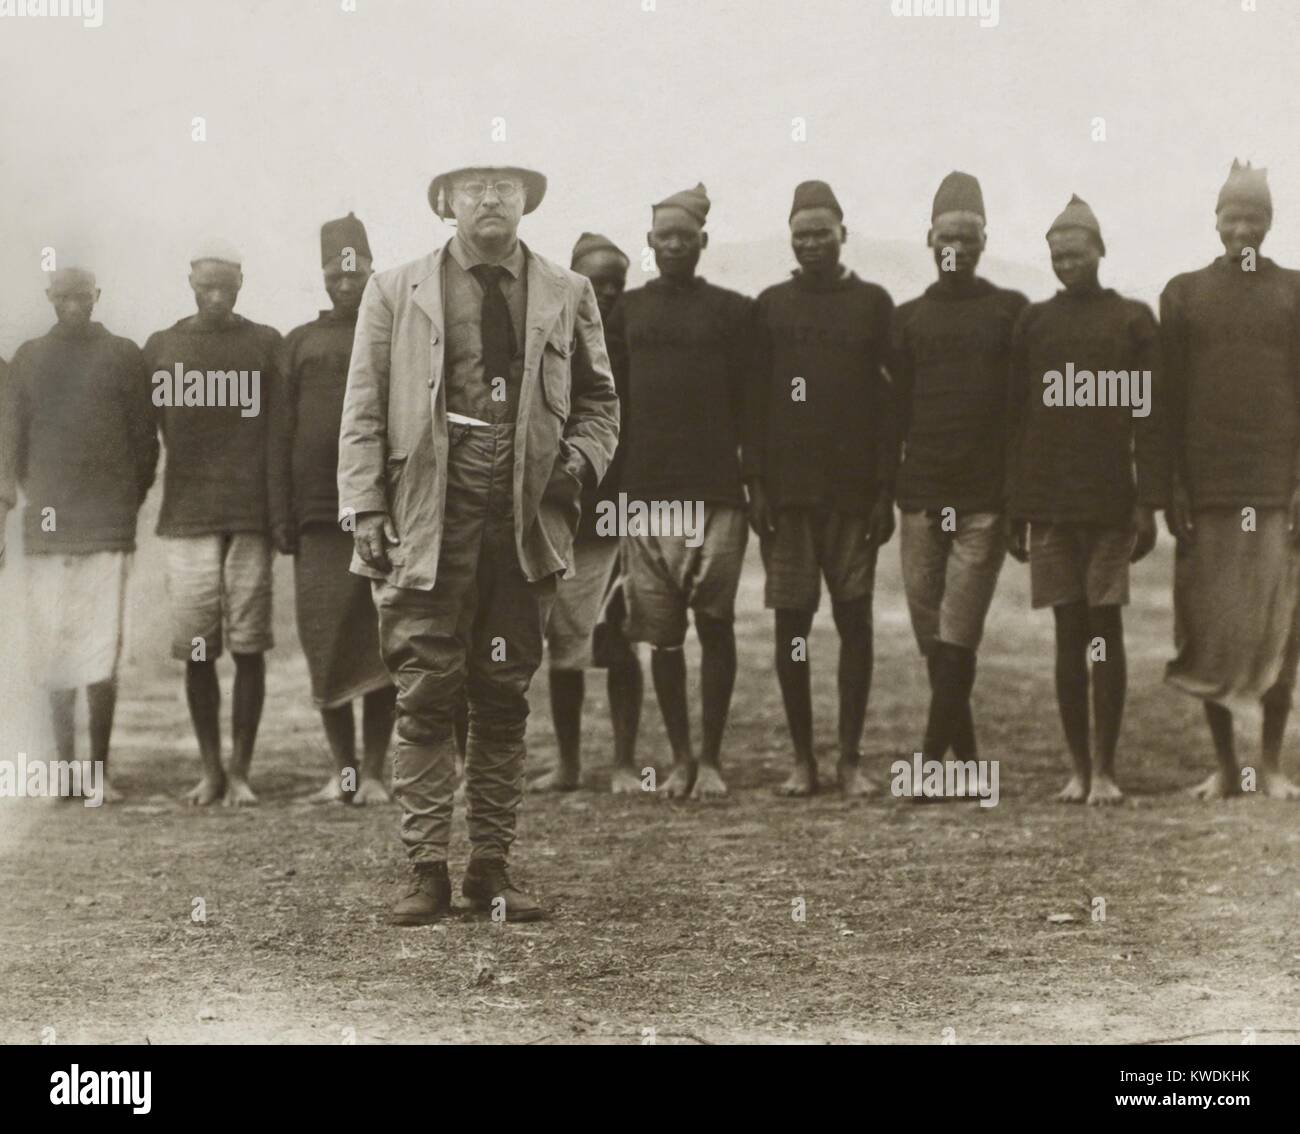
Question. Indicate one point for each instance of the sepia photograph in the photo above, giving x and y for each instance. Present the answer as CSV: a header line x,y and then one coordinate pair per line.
x,y
640,522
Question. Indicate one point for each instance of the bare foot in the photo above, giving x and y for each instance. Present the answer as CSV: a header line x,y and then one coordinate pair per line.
x,y
802,780
370,791
1076,791
112,794
206,792
1273,784
558,778
854,782
238,793
1220,785
679,782
330,792
1104,791
624,781
708,783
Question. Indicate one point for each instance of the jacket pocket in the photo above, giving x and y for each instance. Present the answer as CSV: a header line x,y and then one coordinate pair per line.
x,y
557,374
394,466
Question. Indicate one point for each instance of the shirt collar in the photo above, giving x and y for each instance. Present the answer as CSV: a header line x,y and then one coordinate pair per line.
x,y
468,259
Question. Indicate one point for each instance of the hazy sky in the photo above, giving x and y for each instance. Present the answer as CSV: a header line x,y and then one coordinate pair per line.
x,y
311,111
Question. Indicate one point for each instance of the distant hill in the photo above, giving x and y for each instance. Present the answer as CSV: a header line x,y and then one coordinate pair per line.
x,y
903,269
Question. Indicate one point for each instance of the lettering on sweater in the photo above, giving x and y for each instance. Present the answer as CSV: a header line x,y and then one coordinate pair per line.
x,y
208,388
1104,388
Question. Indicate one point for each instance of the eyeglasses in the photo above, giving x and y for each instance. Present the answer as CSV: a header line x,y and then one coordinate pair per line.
x,y
475,190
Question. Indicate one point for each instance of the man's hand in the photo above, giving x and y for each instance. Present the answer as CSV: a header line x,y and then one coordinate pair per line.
x,y
285,538
880,527
1295,517
760,515
374,535
569,464
1144,520
1178,516
1017,539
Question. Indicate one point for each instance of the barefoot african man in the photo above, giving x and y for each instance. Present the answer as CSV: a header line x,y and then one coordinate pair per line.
x,y
1231,334
820,454
684,345
952,346
1084,478
77,433
337,624
592,593
225,503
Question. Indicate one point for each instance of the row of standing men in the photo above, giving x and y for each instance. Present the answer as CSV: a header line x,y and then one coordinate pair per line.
x,y
807,415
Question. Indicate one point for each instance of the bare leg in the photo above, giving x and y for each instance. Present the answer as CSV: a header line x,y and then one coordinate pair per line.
x,y
63,723
63,717
668,668
568,687
1277,707
340,732
378,711
853,621
717,680
1072,695
795,679
626,692
963,726
203,694
245,716
1109,686
1224,782
101,703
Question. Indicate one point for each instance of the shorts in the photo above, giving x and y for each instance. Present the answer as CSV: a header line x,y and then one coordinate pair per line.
x,y
663,578
578,602
76,610
216,582
950,576
1077,562
809,543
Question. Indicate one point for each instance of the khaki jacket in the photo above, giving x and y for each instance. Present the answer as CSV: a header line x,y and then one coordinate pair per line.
x,y
393,438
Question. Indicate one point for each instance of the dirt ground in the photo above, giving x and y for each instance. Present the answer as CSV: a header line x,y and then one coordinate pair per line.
x,y
673,922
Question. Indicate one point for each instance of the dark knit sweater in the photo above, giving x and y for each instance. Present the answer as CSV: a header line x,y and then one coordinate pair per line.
x,y
611,484
685,351
77,429
224,472
1077,463
1232,358
315,369
835,445
950,361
